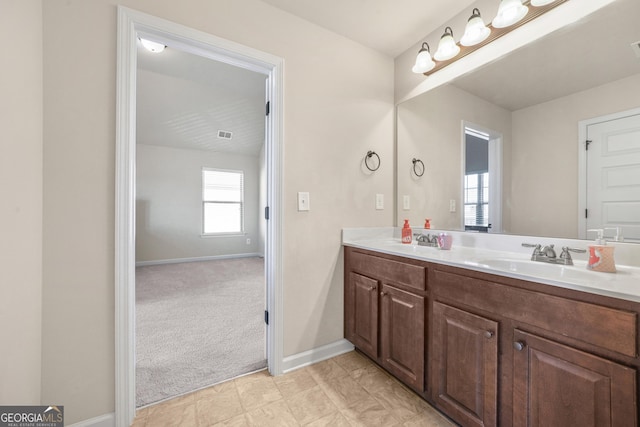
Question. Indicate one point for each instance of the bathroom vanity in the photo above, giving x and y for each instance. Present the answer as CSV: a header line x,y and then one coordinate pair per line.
x,y
492,344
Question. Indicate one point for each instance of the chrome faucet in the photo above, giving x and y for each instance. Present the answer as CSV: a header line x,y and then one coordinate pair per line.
x,y
548,254
426,239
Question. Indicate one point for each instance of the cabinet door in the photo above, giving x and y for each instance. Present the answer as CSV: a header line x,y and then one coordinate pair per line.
x,y
361,313
557,385
402,335
465,365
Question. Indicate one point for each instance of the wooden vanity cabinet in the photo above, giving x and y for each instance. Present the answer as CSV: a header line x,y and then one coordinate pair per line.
x,y
556,358
402,335
557,385
385,313
464,365
490,350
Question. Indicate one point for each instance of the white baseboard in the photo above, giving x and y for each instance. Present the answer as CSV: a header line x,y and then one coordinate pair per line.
x,y
107,420
309,357
196,259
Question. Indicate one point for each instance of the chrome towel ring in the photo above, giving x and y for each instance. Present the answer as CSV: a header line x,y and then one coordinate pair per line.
x,y
368,157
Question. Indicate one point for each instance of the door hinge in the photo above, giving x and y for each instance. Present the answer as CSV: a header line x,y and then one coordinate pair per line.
x,y
266,317
268,108
266,212
586,144
586,213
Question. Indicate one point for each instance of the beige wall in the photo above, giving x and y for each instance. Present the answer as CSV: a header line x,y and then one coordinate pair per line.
x,y
21,207
338,104
430,128
544,189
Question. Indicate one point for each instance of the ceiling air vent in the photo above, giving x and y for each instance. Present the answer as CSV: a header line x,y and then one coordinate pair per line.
x,y
224,134
635,46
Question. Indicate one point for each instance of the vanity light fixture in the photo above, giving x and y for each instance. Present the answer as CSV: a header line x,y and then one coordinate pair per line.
x,y
447,48
509,12
152,46
476,31
424,62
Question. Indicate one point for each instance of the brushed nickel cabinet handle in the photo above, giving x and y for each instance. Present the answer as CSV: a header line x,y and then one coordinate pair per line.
x,y
488,334
519,345
383,293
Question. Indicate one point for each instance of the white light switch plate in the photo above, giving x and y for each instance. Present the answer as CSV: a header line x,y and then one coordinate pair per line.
x,y
303,201
406,202
452,205
379,201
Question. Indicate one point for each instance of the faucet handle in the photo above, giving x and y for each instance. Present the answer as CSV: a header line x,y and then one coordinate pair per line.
x,y
565,256
565,251
537,247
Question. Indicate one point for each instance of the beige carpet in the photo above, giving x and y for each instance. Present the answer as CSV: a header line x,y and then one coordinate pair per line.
x,y
197,324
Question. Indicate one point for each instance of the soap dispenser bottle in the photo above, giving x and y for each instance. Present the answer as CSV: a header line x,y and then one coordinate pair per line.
x,y
601,255
406,232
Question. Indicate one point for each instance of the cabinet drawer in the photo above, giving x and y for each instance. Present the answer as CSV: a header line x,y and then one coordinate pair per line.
x,y
390,271
601,326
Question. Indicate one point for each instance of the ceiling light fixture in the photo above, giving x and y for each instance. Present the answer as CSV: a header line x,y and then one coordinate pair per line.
x,y
151,46
476,31
447,48
509,12
424,62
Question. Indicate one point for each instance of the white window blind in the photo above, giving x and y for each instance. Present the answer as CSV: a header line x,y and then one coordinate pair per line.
x,y
222,201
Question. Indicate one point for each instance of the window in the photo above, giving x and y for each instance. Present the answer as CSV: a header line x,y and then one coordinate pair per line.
x,y
476,180
476,201
222,201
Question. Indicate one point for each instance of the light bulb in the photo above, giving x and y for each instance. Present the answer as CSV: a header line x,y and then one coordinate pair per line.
x,y
447,48
476,31
509,12
424,62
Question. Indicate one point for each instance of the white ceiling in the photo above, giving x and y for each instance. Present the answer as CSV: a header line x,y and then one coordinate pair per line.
x,y
183,100
590,53
390,27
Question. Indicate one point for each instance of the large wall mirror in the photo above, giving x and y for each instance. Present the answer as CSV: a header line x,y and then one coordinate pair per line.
x,y
531,112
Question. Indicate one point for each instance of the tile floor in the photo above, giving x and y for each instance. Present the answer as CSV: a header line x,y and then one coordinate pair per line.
x,y
348,390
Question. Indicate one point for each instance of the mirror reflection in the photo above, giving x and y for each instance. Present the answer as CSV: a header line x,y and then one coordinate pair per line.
x,y
531,114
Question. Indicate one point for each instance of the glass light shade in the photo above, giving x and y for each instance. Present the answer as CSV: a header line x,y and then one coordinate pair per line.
x,y
476,31
447,48
152,46
538,3
424,62
509,12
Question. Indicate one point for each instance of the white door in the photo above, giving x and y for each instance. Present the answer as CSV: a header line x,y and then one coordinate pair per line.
x,y
613,176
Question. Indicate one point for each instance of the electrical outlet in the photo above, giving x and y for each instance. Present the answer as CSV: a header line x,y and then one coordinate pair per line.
x,y
406,202
248,240
303,201
379,201
452,205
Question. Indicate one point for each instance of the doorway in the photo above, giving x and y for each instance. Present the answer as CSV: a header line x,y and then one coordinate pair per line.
x,y
199,281
610,176
131,25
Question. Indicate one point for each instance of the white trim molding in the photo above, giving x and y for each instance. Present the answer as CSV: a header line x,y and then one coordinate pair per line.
x,y
318,354
132,24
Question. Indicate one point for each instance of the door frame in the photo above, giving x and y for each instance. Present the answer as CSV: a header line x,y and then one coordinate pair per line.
x,y
583,126
132,23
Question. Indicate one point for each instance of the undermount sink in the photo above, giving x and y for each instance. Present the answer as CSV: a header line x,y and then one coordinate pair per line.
x,y
551,271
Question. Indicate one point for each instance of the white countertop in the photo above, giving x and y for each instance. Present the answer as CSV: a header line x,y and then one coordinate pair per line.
x,y
503,255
